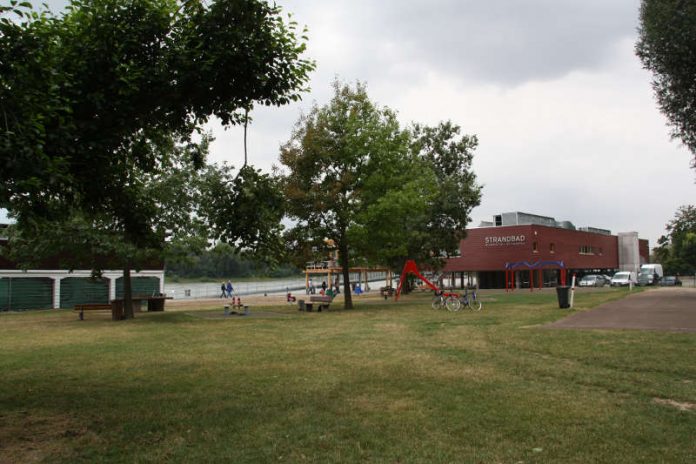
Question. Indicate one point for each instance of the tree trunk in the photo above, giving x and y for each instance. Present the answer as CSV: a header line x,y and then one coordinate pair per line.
x,y
127,293
345,267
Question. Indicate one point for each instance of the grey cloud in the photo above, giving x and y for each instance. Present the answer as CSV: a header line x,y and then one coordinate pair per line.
x,y
502,41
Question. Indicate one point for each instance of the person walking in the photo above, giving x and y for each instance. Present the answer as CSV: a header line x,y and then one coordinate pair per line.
x,y
229,288
223,294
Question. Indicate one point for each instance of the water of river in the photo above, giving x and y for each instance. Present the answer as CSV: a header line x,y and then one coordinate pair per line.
x,y
271,286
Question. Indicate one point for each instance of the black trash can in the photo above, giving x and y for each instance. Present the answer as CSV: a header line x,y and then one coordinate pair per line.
x,y
563,294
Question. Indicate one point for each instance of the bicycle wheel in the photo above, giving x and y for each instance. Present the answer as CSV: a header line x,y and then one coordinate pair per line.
x,y
453,303
437,302
474,304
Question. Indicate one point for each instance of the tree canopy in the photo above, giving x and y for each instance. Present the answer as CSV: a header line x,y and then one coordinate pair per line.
x,y
667,47
104,105
90,95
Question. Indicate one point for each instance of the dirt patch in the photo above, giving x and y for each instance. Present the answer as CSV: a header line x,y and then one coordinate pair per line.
x,y
682,406
219,314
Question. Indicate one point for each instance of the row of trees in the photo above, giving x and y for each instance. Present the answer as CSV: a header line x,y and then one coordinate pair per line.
x,y
104,154
223,262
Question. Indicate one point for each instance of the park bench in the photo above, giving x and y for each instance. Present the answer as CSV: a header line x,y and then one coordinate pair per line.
x,y
322,301
154,303
91,307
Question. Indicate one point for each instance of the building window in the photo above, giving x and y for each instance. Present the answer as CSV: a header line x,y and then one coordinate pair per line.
x,y
535,247
552,248
586,250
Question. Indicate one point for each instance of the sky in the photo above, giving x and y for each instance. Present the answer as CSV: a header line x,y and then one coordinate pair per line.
x,y
566,119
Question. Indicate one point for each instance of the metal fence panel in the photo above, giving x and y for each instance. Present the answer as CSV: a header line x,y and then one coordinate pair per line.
x,y
22,293
139,286
83,290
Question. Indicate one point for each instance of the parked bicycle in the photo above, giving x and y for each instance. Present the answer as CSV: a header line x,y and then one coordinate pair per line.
x,y
439,300
470,300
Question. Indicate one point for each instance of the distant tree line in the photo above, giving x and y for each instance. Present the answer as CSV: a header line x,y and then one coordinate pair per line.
x,y
677,250
222,262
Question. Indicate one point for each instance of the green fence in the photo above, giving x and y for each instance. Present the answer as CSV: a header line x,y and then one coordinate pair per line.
x,y
140,286
83,290
22,293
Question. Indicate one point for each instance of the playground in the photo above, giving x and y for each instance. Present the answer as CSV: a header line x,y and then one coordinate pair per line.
x,y
385,382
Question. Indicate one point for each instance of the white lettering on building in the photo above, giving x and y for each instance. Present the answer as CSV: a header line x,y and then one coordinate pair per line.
x,y
505,240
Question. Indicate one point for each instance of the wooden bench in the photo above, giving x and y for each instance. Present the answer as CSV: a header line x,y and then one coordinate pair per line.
x,y
91,307
323,302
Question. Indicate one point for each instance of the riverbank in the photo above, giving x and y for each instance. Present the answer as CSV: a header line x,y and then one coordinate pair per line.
x,y
260,287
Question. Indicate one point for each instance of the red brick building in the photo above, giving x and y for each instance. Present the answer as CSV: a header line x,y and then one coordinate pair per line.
x,y
488,250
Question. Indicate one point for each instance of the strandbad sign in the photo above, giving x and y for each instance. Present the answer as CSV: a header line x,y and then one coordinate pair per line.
x,y
505,240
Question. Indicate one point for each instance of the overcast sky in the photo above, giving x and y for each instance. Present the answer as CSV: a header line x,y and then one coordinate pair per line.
x,y
564,112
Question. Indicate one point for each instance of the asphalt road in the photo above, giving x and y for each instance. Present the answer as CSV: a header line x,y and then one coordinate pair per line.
x,y
669,309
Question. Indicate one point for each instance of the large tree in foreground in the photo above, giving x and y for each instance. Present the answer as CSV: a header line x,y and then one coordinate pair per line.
x,y
93,102
667,47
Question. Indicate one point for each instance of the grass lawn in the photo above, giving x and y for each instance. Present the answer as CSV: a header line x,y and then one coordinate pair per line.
x,y
386,382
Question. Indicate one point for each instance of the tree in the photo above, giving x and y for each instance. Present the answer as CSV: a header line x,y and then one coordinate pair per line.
x,y
382,193
450,156
330,156
667,47
678,247
421,212
161,202
92,102
244,211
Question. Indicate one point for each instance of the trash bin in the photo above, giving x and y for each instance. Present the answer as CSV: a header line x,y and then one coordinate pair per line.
x,y
563,293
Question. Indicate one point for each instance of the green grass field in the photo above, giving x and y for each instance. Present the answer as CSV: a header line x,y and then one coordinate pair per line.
x,y
385,382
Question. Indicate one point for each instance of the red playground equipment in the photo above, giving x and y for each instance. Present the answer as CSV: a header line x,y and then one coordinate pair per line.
x,y
411,268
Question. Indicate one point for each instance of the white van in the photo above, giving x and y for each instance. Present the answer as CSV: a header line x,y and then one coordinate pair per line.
x,y
622,279
650,274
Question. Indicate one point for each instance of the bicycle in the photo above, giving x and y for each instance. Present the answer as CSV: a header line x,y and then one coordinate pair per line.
x,y
446,300
470,300
439,301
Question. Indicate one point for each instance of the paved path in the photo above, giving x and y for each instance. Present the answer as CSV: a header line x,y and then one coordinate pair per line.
x,y
671,309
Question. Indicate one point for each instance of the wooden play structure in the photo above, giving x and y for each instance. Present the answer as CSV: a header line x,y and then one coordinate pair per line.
x,y
331,270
